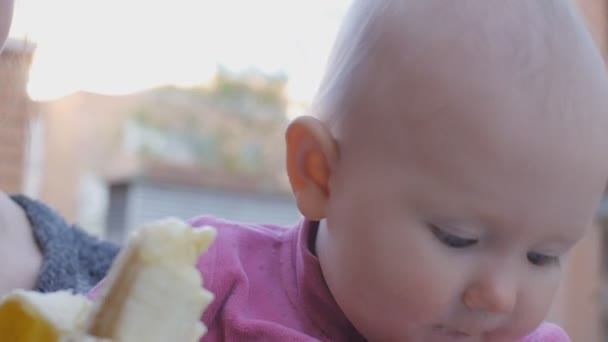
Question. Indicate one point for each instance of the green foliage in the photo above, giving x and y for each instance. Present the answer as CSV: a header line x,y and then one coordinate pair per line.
x,y
250,94
235,124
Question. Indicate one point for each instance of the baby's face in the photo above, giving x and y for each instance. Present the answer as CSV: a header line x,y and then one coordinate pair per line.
x,y
463,235
454,225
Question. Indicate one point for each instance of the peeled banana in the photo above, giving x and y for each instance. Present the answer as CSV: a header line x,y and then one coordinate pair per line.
x,y
153,293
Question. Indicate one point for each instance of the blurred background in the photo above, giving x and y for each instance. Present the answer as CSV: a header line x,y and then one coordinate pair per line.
x,y
121,112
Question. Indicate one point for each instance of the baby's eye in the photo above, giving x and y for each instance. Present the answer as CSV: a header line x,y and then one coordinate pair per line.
x,y
451,240
538,259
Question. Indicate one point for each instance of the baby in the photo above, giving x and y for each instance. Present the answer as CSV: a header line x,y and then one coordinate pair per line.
x,y
456,156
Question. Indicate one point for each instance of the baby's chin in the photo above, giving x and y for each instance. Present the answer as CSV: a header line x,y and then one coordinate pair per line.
x,y
444,332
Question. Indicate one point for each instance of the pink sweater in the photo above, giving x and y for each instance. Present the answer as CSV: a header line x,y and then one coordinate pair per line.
x,y
269,287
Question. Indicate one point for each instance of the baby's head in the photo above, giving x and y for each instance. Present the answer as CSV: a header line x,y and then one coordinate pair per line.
x,y
458,155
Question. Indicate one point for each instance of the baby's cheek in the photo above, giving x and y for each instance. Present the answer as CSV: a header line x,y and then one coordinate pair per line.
x,y
536,297
432,303
424,288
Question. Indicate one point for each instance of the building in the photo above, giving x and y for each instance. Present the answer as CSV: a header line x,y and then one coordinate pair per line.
x,y
159,190
15,110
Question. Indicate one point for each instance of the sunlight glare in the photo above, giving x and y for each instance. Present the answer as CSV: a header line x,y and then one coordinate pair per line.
x,y
121,46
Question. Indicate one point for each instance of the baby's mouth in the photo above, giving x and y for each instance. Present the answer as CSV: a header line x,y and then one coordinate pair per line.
x,y
452,333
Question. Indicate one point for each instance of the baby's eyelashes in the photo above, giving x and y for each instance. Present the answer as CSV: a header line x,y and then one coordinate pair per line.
x,y
451,240
539,259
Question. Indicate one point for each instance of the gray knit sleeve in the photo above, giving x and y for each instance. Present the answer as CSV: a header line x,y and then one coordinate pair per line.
x,y
72,259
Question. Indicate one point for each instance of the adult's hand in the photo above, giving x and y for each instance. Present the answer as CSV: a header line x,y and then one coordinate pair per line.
x,y
20,257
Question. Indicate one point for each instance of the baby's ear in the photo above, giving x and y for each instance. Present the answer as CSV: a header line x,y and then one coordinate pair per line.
x,y
311,151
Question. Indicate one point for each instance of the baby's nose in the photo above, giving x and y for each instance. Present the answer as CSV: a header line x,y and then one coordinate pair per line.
x,y
491,294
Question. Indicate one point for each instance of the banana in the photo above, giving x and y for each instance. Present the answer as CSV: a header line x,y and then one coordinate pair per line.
x,y
152,293
155,293
31,316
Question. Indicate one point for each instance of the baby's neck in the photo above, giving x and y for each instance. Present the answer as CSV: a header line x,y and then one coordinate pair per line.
x,y
312,237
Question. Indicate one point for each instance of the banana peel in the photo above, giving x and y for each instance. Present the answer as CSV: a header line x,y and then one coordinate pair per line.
x,y
31,316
